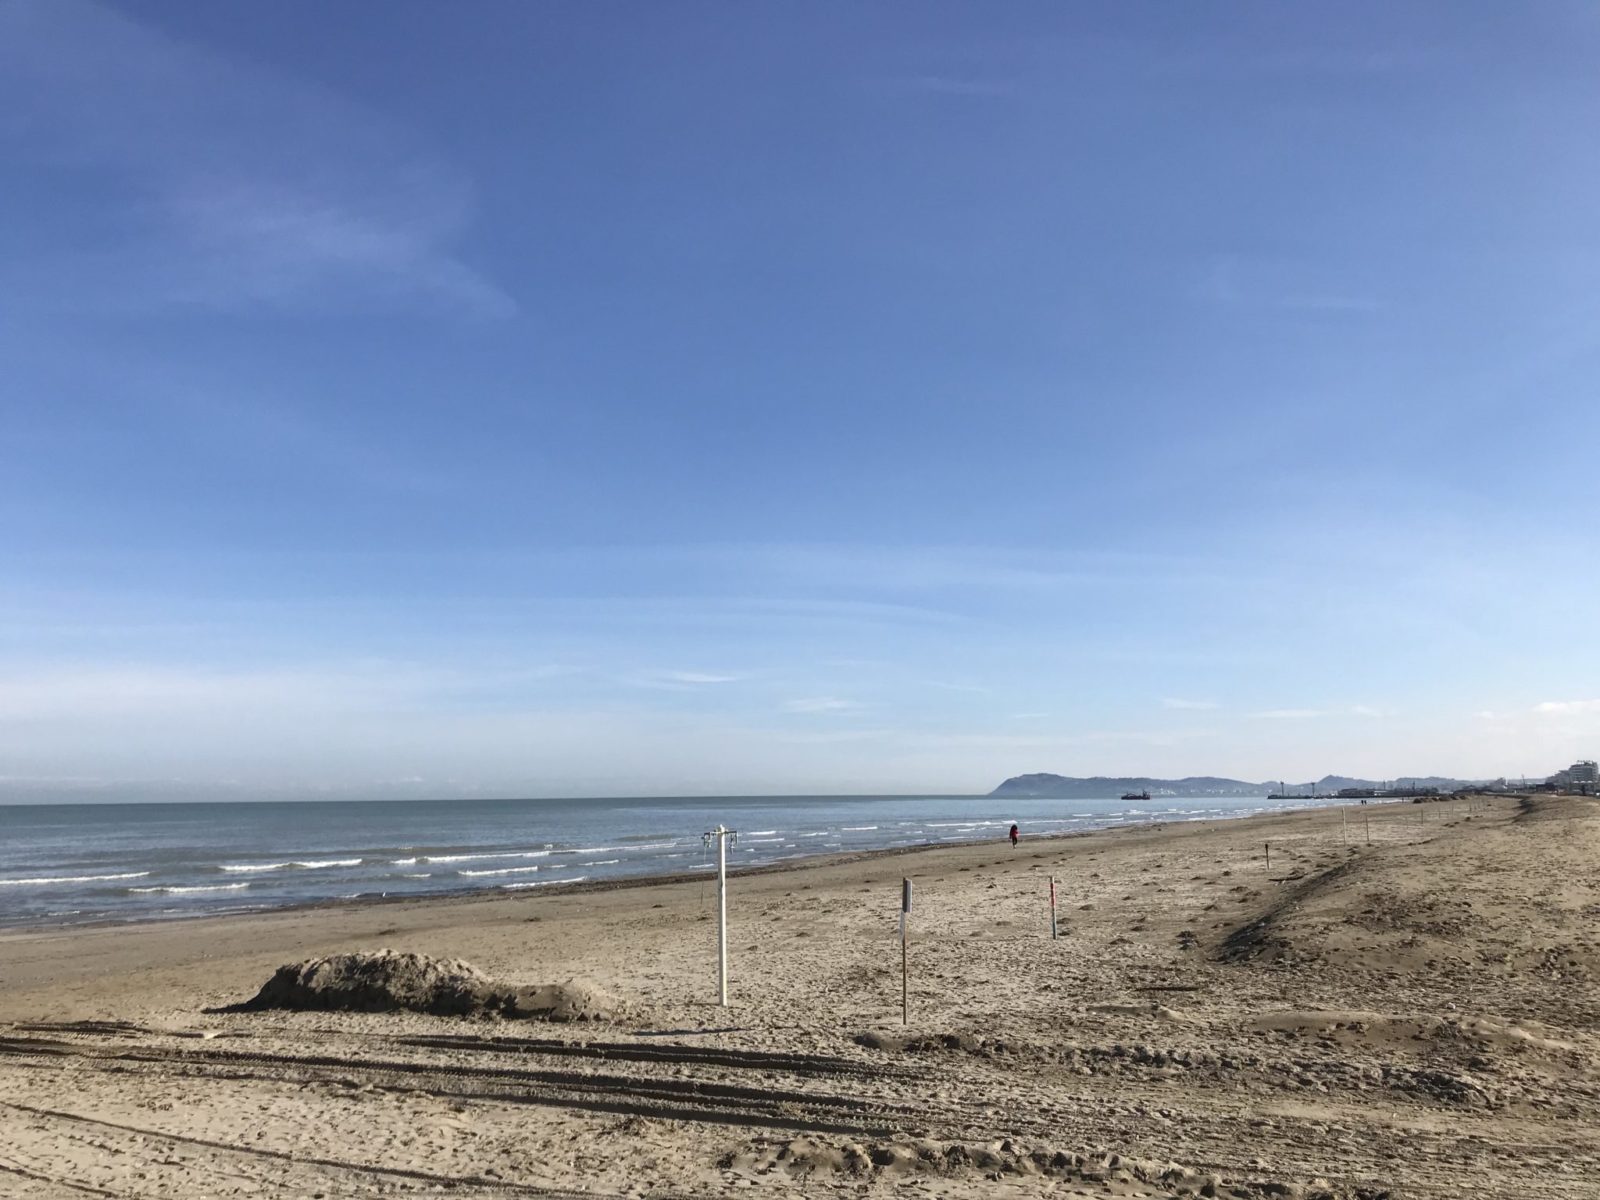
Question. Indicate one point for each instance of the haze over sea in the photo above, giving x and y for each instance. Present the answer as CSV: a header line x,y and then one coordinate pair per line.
x,y
74,863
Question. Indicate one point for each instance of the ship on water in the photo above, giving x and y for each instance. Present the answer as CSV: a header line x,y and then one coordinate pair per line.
x,y
1145,795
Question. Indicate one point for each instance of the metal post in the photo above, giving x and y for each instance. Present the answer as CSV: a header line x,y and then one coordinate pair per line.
x,y
1053,934
1366,820
1268,845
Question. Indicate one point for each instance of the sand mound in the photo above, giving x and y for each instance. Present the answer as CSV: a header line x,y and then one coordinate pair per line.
x,y
391,981
574,1000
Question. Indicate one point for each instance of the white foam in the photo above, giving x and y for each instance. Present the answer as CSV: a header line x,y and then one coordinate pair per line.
x,y
453,858
620,849
71,878
604,862
859,828
177,891
310,864
761,833
500,871
512,887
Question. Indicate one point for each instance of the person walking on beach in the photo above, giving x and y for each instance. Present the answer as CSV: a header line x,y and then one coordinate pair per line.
x,y
1014,835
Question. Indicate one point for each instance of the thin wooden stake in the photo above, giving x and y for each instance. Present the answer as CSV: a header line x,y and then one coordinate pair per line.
x,y
1053,935
905,987
1268,845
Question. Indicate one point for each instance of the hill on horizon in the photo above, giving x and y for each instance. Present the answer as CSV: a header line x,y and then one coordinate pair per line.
x,y
1043,785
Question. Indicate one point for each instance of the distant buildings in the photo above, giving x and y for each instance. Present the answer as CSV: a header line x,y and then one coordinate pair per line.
x,y
1581,776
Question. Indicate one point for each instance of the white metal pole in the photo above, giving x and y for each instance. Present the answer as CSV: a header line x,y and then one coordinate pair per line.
x,y
722,916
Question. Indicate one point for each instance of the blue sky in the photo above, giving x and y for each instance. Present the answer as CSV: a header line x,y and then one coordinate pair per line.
x,y
523,398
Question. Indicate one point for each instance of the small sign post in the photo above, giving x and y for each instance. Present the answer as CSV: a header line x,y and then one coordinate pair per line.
x,y
1053,933
723,836
905,991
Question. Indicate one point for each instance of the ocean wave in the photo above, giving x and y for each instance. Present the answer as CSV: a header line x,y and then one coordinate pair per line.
x,y
307,864
454,858
500,871
234,867
858,828
761,833
72,878
514,887
604,862
178,891
629,849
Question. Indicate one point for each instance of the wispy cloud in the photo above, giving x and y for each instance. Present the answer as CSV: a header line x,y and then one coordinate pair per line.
x,y
681,681
1567,708
1307,714
1245,283
969,688
821,704
700,677
1196,705
226,184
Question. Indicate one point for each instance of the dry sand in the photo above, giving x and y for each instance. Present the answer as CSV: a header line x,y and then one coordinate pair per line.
x,y
1412,1018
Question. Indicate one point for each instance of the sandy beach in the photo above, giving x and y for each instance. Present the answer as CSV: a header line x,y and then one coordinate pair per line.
x,y
1414,1017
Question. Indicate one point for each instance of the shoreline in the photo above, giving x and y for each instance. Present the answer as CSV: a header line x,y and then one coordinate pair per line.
x,y
472,893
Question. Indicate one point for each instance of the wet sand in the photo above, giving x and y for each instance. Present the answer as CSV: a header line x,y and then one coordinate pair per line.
x,y
1416,1017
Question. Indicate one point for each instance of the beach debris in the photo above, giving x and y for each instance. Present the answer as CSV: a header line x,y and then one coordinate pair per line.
x,y
394,981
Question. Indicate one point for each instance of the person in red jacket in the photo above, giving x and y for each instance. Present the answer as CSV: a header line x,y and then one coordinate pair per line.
x,y
1014,835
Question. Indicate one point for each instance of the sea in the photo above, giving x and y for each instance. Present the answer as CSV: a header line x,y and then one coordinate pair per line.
x,y
63,864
